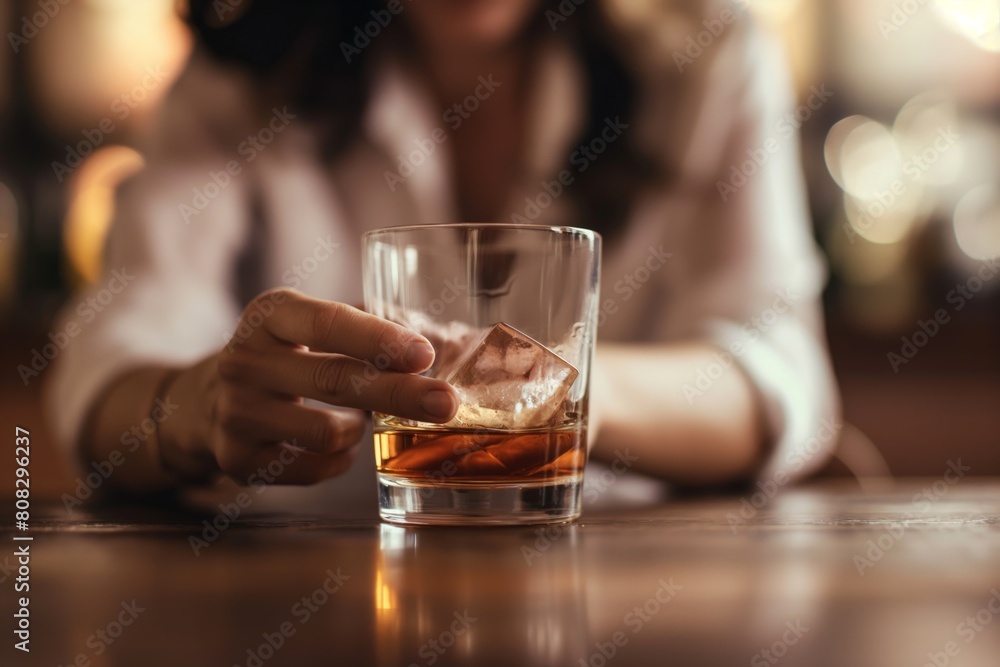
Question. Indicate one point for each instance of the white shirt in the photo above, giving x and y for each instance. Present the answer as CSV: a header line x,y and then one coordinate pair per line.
x,y
741,271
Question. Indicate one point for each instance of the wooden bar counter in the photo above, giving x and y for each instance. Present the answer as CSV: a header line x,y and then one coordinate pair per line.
x,y
824,574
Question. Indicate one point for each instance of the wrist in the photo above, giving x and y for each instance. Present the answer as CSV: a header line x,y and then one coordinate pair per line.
x,y
183,440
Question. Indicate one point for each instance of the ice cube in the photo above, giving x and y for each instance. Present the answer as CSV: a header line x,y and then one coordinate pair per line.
x,y
510,381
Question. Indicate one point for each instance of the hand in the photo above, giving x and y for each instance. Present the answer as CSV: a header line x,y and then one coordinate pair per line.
x,y
288,347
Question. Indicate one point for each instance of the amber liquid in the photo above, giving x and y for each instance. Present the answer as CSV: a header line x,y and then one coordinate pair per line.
x,y
438,455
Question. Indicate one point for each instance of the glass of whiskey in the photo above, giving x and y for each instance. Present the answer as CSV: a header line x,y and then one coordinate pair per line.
x,y
511,311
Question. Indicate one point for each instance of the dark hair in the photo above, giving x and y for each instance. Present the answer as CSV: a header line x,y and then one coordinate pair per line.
x,y
294,46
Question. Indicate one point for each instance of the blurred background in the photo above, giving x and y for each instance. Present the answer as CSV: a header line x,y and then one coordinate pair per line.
x,y
903,167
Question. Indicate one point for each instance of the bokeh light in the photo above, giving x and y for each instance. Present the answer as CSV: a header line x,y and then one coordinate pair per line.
x,y
893,179
868,162
92,206
882,223
928,130
977,222
834,146
977,20
98,59
774,10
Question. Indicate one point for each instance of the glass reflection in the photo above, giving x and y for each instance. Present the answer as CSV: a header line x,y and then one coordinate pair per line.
x,y
479,597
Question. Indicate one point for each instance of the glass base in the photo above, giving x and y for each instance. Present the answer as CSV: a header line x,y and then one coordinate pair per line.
x,y
407,501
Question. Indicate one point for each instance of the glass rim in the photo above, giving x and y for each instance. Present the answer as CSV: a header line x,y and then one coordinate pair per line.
x,y
559,229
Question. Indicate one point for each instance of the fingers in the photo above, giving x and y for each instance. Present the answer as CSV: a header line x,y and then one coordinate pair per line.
x,y
341,380
258,418
254,430
284,464
327,326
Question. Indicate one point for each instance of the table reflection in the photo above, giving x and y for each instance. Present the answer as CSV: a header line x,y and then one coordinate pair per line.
x,y
451,597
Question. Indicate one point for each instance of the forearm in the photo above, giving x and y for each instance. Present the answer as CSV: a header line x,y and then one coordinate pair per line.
x,y
136,425
639,403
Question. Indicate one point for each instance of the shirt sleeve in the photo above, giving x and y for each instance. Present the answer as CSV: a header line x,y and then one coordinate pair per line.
x,y
166,296
752,275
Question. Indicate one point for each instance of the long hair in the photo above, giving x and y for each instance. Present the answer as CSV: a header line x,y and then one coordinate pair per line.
x,y
293,47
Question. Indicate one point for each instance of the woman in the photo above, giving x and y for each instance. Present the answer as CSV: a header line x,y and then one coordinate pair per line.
x,y
298,126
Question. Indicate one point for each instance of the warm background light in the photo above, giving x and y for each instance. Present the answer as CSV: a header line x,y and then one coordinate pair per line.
x,y
94,52
92,207
977,20
977,223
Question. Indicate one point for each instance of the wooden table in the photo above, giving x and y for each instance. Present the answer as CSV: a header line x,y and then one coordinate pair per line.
x,y
821,575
